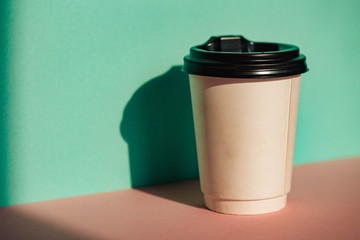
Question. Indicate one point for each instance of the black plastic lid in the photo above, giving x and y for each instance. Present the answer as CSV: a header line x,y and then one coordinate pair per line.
x,y
237,57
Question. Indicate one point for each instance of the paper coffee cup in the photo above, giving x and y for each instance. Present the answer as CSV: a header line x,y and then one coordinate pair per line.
x,y
244,97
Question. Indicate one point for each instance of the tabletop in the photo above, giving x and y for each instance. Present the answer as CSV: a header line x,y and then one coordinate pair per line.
x,y
324,203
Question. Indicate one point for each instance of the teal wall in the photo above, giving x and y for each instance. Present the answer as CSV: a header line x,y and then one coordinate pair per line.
x,y
92,98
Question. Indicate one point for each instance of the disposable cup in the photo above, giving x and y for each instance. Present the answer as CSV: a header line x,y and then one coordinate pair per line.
x,y
244,99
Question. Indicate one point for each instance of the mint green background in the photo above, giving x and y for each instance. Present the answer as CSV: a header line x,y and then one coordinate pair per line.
x,y
69,69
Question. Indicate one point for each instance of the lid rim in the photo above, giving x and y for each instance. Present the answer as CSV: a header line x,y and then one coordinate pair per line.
x,y
286,61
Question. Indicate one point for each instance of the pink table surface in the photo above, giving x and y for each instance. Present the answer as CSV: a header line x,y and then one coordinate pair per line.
x,y
324,204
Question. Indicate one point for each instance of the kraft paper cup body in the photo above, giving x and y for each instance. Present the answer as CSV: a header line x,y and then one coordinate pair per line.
x,y
245,132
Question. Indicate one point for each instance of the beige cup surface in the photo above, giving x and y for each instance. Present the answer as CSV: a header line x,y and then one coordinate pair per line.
x,y
245,132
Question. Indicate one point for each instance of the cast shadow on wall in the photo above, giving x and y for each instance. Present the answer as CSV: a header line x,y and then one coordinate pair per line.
x,y
4,100
158,126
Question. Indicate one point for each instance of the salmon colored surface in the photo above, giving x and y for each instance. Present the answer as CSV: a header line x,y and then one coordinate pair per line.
x,y
324,204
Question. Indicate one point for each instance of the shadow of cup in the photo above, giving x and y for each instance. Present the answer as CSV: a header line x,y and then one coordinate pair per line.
x,y
158,126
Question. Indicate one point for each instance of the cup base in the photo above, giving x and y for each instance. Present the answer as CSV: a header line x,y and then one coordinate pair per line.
x,y
247,207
